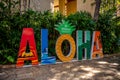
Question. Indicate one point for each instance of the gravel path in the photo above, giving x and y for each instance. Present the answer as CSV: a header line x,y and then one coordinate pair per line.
x,y
107,68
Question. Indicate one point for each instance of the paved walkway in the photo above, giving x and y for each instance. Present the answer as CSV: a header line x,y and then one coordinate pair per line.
x,y
107,68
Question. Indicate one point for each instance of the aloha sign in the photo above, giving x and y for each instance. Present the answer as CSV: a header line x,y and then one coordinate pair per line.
x,y
84,40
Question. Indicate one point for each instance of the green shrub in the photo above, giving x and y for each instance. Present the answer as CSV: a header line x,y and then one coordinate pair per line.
x,y
82,21
117,33
107,26
7,53
11,30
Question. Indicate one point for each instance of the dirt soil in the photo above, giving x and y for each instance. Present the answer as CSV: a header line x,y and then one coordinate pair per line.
x,y
107,68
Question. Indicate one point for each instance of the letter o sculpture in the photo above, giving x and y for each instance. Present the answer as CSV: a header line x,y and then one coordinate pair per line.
x,y
59,53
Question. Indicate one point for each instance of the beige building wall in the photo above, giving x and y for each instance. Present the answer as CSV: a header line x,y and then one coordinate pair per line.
x,y
37,5
41,5
67,7
87,6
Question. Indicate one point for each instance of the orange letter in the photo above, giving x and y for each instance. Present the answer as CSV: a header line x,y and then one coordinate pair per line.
x,y
96,45
27,37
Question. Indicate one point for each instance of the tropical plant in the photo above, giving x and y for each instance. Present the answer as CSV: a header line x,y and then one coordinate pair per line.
x,y
106,25
6,52
65,27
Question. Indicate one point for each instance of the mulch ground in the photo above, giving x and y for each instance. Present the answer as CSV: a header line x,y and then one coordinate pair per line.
x,y
107,68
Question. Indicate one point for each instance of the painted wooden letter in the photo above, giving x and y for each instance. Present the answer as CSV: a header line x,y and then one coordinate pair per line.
x,y
83,45
65,28
96,51
27,39
44,49
58,48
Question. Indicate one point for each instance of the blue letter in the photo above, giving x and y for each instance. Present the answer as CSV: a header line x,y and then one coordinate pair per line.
x,y
44,49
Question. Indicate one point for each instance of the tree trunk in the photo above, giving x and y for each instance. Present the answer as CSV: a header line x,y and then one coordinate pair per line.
x,y
97,9
9,7
28,4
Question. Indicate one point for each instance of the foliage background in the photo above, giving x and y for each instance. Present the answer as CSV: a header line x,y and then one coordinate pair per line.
x,y
12,23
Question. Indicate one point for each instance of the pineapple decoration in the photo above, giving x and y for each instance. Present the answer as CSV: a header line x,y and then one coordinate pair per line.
x,y
65,30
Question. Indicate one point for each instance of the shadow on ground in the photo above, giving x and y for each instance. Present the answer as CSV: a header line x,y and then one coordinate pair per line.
x,y
107,68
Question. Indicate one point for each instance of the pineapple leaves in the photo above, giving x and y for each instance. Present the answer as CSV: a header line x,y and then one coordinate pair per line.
x,y
65,27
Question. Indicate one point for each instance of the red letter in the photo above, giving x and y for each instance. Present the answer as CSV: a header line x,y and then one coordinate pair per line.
x,y
27,37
